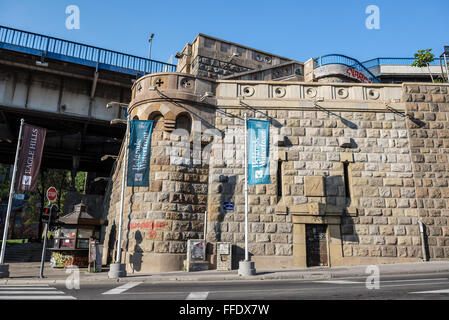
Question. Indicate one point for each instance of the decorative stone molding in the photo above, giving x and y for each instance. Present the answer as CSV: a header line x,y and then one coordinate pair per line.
x,y
279,92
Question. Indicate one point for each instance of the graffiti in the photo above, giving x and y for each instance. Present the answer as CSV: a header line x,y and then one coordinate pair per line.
x,y
146,225
353,73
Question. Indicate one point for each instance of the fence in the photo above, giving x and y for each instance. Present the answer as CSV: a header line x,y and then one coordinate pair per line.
x,y
59,49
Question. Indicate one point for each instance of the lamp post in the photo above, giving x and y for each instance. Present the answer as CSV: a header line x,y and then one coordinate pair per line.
x,y
118,269
150,40
246,267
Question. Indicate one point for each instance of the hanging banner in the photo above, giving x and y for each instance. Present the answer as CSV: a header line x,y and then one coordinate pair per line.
x,y
139,153
30,156
258,151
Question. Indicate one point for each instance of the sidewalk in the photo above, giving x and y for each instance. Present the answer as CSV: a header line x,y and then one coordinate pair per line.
x,y
28,273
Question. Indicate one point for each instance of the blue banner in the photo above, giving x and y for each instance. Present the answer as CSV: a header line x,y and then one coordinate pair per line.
x,y
139,153
258,151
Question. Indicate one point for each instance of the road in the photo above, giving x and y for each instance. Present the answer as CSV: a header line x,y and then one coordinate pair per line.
x,y
414,286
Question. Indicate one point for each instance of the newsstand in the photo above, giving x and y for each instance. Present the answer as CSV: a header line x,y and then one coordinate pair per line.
x,y
75,232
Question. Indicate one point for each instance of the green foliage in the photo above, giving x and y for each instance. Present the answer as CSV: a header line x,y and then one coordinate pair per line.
x,y
5,183
423,58
58,178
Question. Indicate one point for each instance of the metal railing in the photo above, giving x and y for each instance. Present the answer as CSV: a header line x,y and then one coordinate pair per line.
x,y
59,49
394,61
346,61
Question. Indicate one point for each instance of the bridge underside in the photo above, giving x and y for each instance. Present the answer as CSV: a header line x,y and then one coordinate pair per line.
x,y
69,101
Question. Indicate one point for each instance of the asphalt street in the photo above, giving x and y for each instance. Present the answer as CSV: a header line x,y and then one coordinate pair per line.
x,y
414,286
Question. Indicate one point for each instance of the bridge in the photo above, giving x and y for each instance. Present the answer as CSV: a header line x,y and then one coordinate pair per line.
x,y
64,86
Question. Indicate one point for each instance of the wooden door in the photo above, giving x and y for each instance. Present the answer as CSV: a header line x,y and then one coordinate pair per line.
x,y
316,243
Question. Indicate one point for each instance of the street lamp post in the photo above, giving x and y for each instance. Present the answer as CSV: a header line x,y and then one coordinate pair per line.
x,y
118,269
150,40
246,267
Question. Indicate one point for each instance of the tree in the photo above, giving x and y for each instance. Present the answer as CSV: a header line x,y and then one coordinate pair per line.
x,y
37,200
423,58
5,183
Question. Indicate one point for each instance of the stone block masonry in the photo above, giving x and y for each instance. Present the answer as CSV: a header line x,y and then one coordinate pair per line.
x,y
364,168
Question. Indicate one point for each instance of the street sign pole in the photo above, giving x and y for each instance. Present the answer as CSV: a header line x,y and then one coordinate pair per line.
x,y
4,268
44,247
51,196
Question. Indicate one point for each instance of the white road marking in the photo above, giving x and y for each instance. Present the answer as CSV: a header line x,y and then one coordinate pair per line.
x,y
30,292
339,282
25,288
197,296
37,298
122,288
433,279
433,291
33,292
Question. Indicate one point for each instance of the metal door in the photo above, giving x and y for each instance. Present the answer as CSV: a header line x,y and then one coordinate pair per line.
x,y
316,243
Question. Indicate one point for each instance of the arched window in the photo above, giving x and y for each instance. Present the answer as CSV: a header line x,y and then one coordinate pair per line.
x,y
183,121
158,121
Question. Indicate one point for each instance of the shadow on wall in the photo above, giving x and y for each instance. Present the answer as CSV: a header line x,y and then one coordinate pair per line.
x,y
111,244
227,190
135,259
337,193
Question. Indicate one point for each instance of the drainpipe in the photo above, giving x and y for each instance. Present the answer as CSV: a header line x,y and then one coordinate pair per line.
x,y
423,246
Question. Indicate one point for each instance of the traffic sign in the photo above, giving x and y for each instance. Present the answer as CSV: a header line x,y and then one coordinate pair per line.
x,y
228,205
52,194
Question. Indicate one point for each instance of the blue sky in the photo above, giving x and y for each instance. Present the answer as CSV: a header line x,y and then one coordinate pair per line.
x,y
294,29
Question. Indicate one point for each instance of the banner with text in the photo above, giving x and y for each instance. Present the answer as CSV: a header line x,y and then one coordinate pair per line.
x,y
30,156
258,151
139,153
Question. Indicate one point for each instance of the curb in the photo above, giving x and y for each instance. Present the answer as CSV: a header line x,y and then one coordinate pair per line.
x,y
307,275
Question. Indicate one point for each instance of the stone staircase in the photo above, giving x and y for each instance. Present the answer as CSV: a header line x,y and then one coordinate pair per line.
x,y
25,252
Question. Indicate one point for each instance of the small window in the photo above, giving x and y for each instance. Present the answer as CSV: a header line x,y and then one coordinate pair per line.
x,y
346,177
184,122
84,233
279,180
209,43
83,244
224,47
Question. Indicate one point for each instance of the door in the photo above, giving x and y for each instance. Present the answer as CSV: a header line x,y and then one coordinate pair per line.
x,y
316,242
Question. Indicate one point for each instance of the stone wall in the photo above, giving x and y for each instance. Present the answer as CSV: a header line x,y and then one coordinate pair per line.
x,y
365,160
380,174
213,68
428,105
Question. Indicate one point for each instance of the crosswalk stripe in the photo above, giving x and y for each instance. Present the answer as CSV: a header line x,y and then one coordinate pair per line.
x,y
37,298
122,288
30,292
197,296
433,291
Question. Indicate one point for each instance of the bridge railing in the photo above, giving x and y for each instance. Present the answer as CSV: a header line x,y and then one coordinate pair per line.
x,y
394,61
347,61
60,49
